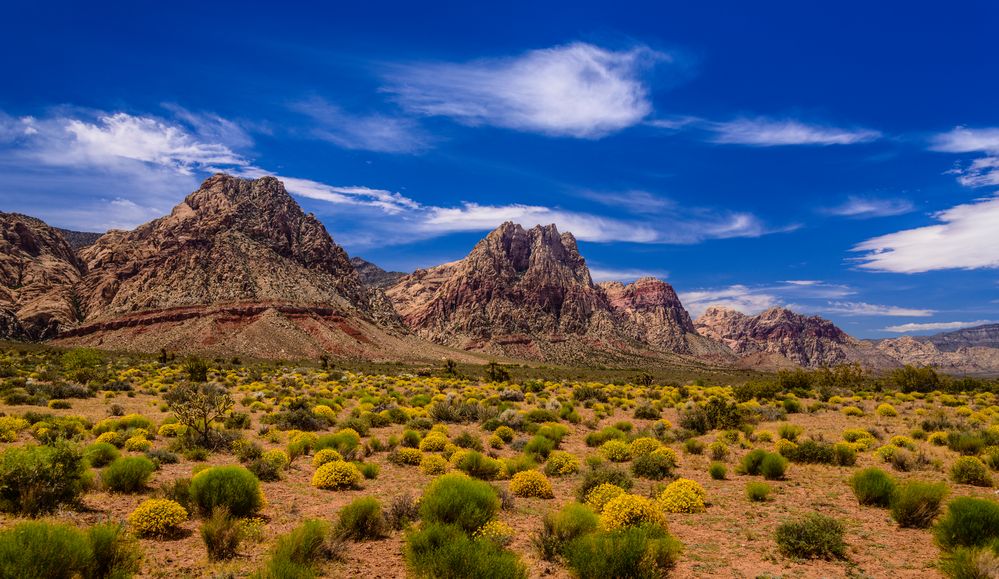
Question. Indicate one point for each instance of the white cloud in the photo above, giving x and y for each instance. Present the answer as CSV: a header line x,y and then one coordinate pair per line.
x,y
387,201
374,132
767,132
965,140
736,297
866,309
935,326
600,273
576,90
967,237
863,207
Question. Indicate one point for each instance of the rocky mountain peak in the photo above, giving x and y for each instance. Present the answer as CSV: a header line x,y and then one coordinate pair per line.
x,y
654,312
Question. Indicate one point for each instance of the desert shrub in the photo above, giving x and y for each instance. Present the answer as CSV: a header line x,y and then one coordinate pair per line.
x,y
643,446
561,463
634,552
344,441
433,464
496,532
177,490
814,536
540,446
232,487
717,471
116,555
518,463
44,549
221,533
789,431
757,491
616,450
531,483
401,511
970,470
446,552
37,479
337,475
128,475
454,499
478,465
750,463
773,466
886,410
682,496
971,563
873,487
968,522
324,456
599,475
157,517
628,510
915,504
269,465
599,437
361,520
656,465
693,446
715,414
561,527
405,456
297,554
197,406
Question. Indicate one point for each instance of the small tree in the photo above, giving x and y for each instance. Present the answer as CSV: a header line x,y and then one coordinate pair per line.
x,y
450,368
196,406
197,370
497,373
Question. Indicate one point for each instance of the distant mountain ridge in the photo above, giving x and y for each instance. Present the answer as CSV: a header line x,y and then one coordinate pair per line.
x,y
373,276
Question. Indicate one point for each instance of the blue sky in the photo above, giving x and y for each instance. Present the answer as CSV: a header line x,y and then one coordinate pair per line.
x,y
843,161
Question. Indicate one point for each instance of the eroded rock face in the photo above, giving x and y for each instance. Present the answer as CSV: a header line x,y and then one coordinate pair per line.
x,y
808,341
231,241
372,275
652,313
38,270
961,355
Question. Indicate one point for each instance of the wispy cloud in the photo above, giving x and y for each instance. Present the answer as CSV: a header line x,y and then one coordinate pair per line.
x,y
600,273
865,207
965,140
769,132
633,201
967,237
574,90
372,132
934,326
753,299
866,309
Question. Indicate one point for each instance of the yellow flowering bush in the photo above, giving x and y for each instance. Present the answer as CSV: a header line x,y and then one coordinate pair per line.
x,y
111,437
602,494
504,432
561,463
10,426
325,456
157,517
902,442
497,532
886,410
784,447
496,442
336,476
938,438
172,430
433,442
531,483
616,450
852,411
682,496
138,444
403,455
631,511
643,446
433,464
277,458
324,411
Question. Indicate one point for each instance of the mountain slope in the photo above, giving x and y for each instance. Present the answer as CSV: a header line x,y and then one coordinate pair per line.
x,y
373,276
236,268
38,270
779,336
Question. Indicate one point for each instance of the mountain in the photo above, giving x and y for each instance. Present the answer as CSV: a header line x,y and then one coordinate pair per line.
x,y
78,239
527,293
779,337
985,336
968,351
38,270
236,268
373,276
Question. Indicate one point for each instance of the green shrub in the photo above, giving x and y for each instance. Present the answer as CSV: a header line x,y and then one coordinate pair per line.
x,y
540,446
480,466
440,551
297,554
599,475
873,487
454,499
750,463
814,536
915,504
519,463
221,534
971,563
969,522
116,555
757,491
773,466
560,528
636,552
128,475
599,437
654,466
37,479
361,520
693,446
717,471
232,487
970,470
100,454
43,549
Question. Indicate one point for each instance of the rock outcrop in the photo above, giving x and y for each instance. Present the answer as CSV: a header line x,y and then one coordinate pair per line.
x,y
38,271
373,276
955,354
778,335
